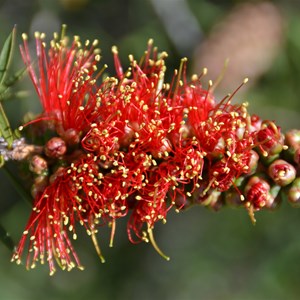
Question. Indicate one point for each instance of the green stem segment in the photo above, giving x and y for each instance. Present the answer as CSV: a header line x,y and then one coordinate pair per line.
x,y
20,189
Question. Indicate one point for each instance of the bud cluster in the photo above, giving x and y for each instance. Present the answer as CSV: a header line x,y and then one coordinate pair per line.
x,y
139,146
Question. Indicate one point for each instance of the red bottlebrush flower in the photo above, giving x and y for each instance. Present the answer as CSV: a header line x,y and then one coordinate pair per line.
x,y
143,146
65,83
227,143
198,102
150,207
72,196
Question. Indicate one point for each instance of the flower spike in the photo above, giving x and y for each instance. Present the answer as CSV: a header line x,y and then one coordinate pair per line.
x,y
136,146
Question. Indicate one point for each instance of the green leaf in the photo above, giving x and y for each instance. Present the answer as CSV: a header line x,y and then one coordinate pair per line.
x,y
5,129
6,239
12,79
2,161
6,54
15,77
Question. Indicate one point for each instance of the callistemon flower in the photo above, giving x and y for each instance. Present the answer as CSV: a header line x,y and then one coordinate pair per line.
x,y
64,79
72,195
144,147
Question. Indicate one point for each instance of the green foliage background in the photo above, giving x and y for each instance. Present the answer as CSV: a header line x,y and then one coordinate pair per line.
x,y
214,255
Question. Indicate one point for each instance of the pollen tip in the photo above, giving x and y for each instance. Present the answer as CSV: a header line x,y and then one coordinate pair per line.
x,y
205,70
194,77
24,36
95,42
37,34
246,80
150,42
114,49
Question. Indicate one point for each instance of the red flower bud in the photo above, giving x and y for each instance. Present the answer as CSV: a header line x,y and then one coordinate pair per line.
x,y
270,139
55,147
257,192
292,138
38,165
294,193
71,136
253,162
297,156
273,200
282,172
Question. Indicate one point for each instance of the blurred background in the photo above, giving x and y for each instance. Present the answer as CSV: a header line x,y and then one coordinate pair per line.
x,y
214,255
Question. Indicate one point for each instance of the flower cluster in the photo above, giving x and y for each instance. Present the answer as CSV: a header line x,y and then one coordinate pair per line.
x,y
136,145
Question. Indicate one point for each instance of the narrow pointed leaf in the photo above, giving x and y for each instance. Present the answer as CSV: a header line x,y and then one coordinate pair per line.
x,y
5,129
9,93
6,54
10,81
15,77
